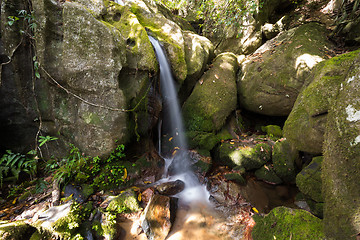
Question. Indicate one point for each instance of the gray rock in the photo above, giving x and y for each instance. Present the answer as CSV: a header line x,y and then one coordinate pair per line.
x,y
170,188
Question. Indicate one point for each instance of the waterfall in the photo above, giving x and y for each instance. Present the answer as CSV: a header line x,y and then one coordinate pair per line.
x,y
179,162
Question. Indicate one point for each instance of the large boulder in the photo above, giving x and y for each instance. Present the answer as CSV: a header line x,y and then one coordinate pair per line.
x,y
214,96
305,126
341,164
287,223
198,52
273,76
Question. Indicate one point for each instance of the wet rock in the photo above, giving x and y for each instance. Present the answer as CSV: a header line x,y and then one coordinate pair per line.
x,y
200,163
125,202
74,192
309,180
280,220
147,195
170,188
224,192
305,126
284,157
267,174
159,216
247,155
17,230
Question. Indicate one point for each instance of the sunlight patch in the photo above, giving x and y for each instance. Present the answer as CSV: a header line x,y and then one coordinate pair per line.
x,y
353,114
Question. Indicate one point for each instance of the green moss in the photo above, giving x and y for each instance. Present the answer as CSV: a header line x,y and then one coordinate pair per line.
x,y
249,157
284,157
286,223
17,230
201,140
212,99
235,177
267,174
309,180
124,202
273,131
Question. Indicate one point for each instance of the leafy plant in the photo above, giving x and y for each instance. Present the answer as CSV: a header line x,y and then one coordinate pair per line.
x,y
12,164
42,140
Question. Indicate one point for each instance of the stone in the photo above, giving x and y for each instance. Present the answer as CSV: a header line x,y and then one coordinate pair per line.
x,y
125,202
235,177
198,52
249,156
273,131
170,188
17,230
287,223
309,180
200,162
267,174
214,96
305,126
159,216
273,76
341,163
284,158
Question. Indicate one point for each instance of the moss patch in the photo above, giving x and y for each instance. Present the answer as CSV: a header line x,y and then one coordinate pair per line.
x,y
17,230
284,157
287,223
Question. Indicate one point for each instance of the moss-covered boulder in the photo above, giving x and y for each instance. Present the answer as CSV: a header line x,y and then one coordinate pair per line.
x,y
287,223
273,76
284,157
249,156
214,96
17,230
267,174
309,180
273,131
341,164
305,126
198,52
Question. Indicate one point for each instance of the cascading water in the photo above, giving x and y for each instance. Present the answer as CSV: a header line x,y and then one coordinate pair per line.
x,y
179,162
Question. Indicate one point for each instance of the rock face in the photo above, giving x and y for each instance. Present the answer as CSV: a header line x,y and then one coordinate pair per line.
x,y
96,61
158,217
273,76
213,98
277,223
341,164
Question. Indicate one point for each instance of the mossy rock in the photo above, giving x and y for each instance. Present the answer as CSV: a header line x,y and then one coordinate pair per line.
x,y
17,230
247,156
309,180
273,76
235,177
206,140
317,208
267,174
305,126
171,36
124,202
284,157
286,223
341,164
273,131
214,96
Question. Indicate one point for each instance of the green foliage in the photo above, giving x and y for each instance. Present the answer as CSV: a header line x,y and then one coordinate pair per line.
x,y
78,167
12,164
42,140
231,13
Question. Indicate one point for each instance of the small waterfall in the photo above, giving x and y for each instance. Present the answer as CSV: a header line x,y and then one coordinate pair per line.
x,y
179,162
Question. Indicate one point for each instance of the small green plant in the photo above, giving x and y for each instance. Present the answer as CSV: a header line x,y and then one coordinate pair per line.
x,y
12,164
42,140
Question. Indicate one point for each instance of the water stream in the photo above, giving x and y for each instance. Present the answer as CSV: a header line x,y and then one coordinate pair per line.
x,y
178,161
